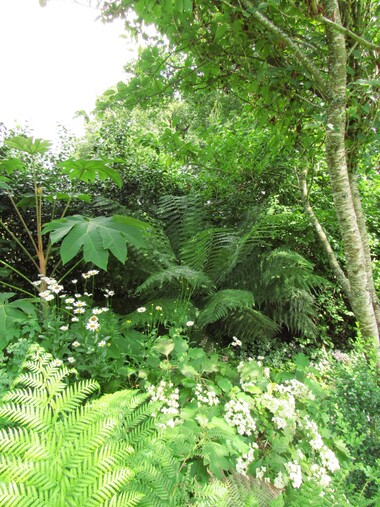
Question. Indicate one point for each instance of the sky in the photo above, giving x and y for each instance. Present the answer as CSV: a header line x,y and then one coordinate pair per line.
x,y
55,61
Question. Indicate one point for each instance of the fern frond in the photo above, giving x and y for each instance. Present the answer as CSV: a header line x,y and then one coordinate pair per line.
x,y
174,276
210,251
224,302
184,217
248,323
63,453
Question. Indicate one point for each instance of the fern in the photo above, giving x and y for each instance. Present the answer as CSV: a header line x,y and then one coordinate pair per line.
x,y
183,216
222,303
175,275
58,450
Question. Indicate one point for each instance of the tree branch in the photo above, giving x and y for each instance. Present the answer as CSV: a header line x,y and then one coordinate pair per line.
x,y
346,31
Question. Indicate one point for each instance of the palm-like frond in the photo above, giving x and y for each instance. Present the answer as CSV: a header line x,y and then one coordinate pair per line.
x,y
183,216
223,303
174,276
58,450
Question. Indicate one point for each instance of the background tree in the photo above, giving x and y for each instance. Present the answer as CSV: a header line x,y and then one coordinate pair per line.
x,y
289,58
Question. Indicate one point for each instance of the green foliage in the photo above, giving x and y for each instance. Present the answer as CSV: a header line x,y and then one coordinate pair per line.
x,y
97,237
12,314
56,450
232,276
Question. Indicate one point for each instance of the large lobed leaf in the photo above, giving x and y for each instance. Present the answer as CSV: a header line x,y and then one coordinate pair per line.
x,y
97,237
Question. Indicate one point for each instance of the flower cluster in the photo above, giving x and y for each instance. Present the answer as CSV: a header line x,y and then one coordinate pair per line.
x,y
236,342
244,461
165,394
52,287
238,414
90,273
328,458
283,409
296,389
205,396
294,473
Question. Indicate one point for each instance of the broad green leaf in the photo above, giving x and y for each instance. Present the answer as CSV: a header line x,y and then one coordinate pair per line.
x,y
12,164
97,237
11,313
188,371
164,346
28,144
89,170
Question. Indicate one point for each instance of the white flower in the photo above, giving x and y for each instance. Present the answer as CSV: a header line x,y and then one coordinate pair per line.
x,y
142,309
80,304
104,309
97,311
79,310
158,308
74,281
64,328
236,342
93,326
44,294
78,295
37,283
295,473
74,319
279,482
238,414
102,343
69,301
71,360
76,344
57,362
55,288
189,323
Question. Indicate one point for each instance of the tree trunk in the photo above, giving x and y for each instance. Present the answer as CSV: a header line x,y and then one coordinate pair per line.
x,y
360,299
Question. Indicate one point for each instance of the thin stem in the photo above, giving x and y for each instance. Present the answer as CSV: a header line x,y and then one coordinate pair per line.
x,y
30,257
16,271
23,223
17,288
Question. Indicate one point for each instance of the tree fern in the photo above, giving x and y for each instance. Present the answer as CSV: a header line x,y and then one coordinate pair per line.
x,y
222,303
58,451
183,216
175,275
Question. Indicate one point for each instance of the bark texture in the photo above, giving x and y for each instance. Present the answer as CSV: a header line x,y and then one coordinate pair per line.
x,y
361,300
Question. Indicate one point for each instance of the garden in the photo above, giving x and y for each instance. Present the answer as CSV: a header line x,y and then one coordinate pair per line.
x,y
189,306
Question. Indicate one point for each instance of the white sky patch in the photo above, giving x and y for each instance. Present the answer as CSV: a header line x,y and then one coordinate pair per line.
x,y
55,61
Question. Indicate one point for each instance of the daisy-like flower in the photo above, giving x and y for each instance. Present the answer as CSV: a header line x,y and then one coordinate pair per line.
x,y
44,294
79,304
158,308
49,297
142,309
190,323
92,326
78,295
64,328
102,343
104,309
37,283
93,318
57,362
56,288
74,319
69,301
79,310
75,344
236,342
97,311
71,360
74,281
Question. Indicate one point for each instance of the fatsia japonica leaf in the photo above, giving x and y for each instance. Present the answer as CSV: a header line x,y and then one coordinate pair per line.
x,y
89,170
11,313
97,237
28,144
12,164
